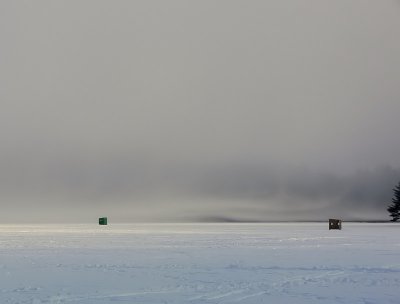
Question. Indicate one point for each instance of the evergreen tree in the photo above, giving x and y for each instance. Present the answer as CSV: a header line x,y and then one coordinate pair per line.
x,y
394,207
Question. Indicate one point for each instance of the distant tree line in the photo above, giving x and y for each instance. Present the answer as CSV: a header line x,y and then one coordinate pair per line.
x,y
394,207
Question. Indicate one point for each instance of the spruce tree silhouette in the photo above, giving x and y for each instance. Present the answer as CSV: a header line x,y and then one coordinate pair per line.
x,y
394,207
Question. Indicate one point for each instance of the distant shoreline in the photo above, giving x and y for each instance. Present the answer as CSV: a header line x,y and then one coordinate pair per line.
x,y
198,222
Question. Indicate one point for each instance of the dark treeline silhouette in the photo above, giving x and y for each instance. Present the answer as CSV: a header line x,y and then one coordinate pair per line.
x,y
394,207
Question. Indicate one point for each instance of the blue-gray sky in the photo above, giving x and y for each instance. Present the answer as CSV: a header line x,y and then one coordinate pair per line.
x,y
198,110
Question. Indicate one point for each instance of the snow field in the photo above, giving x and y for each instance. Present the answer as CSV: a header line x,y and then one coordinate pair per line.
x,y
200,263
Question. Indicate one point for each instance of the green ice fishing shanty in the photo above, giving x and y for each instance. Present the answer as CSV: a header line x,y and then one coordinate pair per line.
x,y
102,221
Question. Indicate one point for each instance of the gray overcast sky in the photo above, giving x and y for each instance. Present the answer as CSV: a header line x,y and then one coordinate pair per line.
x,y
198,110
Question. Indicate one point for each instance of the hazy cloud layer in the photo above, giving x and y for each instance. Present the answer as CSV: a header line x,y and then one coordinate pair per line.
x,y
183,110
177,192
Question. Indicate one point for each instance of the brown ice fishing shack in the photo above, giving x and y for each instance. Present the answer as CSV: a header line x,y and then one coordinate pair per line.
x,y
335,224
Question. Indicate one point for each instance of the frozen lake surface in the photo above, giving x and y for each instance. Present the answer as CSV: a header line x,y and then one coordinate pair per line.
x,y
200,263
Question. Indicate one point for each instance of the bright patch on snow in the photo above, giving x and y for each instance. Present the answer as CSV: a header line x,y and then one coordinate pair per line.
x,y
200,263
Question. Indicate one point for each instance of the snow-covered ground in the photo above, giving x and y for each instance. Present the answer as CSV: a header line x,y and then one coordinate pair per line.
x,y
200,263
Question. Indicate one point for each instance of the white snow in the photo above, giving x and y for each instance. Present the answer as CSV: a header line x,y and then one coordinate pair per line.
x,y
200,263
